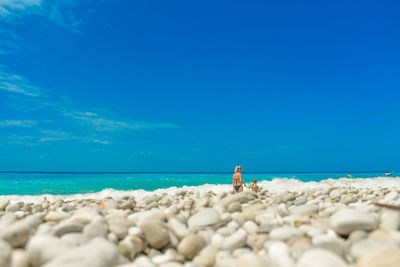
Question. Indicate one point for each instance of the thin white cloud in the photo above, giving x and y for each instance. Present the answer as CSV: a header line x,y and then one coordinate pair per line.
x,y
103,142
58,14
37,97
56,11
10,43
52,136
17,84
88,126
49,136
18,123
105,124
10,7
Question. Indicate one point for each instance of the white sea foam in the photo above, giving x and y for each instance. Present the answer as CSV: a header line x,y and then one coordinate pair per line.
x,y
276,185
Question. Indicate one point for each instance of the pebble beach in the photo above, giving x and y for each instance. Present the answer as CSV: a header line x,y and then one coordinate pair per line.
x,y
332,224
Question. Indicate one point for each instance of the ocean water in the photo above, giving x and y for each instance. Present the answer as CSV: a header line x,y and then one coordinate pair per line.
x,y
68,183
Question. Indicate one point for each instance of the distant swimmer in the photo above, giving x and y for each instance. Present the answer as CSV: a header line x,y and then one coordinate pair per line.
x,y
237,180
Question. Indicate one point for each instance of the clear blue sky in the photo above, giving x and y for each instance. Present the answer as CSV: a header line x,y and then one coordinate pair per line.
x,y
199,85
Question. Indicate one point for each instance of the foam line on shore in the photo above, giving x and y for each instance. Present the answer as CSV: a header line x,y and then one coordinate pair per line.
x,y
276,185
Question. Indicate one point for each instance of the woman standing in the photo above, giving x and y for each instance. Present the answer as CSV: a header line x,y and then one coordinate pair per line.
x,y
237,180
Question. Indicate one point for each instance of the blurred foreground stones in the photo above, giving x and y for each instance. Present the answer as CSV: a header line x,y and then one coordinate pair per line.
x,y
332,227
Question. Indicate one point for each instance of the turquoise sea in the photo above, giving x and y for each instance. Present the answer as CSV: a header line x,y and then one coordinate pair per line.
x,y
64,183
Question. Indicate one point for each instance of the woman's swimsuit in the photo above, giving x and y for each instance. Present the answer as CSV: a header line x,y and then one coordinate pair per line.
x,y
237,184
237,187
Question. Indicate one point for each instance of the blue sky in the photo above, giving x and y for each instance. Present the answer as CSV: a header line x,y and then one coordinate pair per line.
x,y
199,86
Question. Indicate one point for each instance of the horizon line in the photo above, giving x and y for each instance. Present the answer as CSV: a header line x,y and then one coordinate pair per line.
x,y
184,172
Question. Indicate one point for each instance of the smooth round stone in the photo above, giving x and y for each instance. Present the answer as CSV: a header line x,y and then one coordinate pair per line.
x,y
368,246
191,245
98,252
43,248
267,228
252,260
203,218
241,251
317,257
95,229
55,216
178,228
278,253
283,210
206,256
153,253
225,231
335,194
336,246
161,259
153,214
390,220
357,235
386,258
236,240
175,255
68,227
171,264
127,203
233,225
284,233
5,254
141,261
127,249
298,245
217,240
250,212
346,199
135,231
85,215
224,259
265,218
155,233
33,221
329,211
238,217
206,234
3,204
250,227
288,197
17,234
234,207
165,201
310,230
242,197
73,239
150,199
346,220
119,226
173,240
112,237
68,208
305,209
13,208
19,258
137,242
300,201
391,196
258,242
